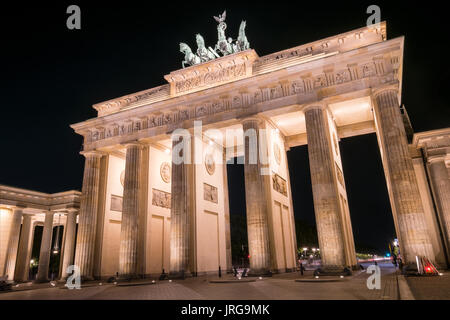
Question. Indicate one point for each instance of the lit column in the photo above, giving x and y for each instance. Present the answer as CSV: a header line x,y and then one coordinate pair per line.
x,y
87,222
13,242
256,201
441,189
69,243
181,206
325,193
128,256
406,203
46,244
24,253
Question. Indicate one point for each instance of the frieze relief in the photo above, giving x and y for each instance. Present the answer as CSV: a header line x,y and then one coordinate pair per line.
x,y
212,73
279,184
301,85
161,199
210,193
116,203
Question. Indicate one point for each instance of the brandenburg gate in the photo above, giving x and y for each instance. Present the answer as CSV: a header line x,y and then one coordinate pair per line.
x,y
142,210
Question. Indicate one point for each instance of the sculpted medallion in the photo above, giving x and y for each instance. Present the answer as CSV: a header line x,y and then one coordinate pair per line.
x,y
165,171
210,164
122,178
277,153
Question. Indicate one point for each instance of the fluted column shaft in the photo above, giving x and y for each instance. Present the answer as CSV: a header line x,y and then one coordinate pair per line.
x,y
128,256
13,242
325,194
46,244
406,203
85,247
69,243
181,209
24,253
441,187
256,201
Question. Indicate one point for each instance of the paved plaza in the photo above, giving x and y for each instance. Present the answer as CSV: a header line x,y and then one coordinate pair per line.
x,y
278,287
430,288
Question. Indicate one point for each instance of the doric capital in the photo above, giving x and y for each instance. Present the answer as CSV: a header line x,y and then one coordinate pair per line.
x,y
18,209
73,210
321,105
253,119
377,91
92,153
134,143
436,158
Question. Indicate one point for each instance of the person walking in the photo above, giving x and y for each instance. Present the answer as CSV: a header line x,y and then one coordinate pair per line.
x,y
301,268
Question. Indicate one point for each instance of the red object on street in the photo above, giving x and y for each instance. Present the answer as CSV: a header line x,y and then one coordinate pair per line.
x,y
428,267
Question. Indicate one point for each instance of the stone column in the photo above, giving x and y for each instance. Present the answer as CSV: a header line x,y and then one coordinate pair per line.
x,y
128,256
87,221
24,253
325,193
69,243
13,242
441,189
403,190
181,206
256,201
46,244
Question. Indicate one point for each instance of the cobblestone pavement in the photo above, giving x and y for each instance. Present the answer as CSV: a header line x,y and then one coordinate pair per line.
x,y
278,287
430,288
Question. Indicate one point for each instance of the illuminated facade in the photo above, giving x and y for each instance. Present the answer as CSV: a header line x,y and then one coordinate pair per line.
x,y
142,213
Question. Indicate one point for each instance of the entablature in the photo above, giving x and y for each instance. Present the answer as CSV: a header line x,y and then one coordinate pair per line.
x,y
10,196
376,66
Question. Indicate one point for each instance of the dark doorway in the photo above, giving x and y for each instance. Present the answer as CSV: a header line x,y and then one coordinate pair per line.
x,y
34,262
238,210
55,255
302,198
368,198
55,252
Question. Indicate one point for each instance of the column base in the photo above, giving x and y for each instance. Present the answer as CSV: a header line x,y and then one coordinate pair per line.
x,y
333,271
259,273
41,280
180,275
87,278
128,277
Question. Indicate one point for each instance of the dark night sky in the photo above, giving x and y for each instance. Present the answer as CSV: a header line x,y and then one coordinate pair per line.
x,y
50,77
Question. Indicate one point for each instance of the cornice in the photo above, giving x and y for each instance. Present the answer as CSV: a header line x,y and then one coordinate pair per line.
x,y
420,137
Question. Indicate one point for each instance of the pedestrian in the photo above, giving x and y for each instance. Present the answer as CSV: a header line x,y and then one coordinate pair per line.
x,y
395,255
301,268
